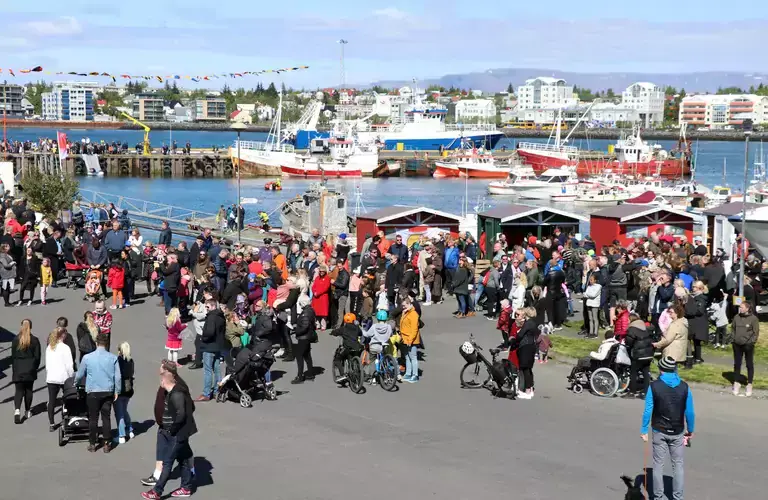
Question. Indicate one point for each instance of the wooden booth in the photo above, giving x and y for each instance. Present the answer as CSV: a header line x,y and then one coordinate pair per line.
x,y
516,221
627,222
409,222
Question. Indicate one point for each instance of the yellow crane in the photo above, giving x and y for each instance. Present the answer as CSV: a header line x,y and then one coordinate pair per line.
x,y
147,147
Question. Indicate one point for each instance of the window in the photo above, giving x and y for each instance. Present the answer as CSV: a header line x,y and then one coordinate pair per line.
x,y
340,203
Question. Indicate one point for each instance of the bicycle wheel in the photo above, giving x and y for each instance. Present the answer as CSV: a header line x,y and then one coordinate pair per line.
x,y
354,372
387,373
604,382
472,376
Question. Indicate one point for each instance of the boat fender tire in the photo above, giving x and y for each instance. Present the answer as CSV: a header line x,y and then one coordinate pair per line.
x,y
167,169
208,169
124,170
227,171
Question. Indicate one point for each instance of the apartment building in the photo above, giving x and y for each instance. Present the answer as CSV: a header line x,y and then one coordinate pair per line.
x,y
211,109
70,101
647,99
720,111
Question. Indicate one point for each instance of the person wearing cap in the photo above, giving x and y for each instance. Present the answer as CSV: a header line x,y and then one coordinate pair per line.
x,y
668,411
699,247
342,247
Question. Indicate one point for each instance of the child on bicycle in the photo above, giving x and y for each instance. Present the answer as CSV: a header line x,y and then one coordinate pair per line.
x,y
378,336
350,345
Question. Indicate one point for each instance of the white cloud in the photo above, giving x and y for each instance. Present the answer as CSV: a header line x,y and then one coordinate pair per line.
x,y
391,13
63,26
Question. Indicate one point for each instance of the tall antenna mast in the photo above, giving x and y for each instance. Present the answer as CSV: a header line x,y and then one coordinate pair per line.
x,y
342,78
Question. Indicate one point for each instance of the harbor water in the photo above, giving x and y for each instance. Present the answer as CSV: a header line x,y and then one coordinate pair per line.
x,y
444,194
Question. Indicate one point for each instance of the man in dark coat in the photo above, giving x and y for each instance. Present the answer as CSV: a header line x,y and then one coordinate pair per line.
x,y
394,277
166,235
340,291
399,249
53,251
213,346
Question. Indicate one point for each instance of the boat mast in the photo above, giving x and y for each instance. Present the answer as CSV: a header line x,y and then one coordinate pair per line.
x,y
278,118
725,163
557,127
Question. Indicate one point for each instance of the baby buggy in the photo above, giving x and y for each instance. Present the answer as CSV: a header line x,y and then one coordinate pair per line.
x,y
75,274
606,372
249,375
74,413
93,285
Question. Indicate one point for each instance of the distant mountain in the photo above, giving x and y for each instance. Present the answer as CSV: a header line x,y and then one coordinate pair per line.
x,y
496,80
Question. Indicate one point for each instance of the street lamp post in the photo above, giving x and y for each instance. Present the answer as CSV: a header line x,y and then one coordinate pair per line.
x,y
238,127
747,125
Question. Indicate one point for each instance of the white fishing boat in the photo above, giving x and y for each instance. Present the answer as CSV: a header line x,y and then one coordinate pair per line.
x,y
548,183
603,196
516,176
471,163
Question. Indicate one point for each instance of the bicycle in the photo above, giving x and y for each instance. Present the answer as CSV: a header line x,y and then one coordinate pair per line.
x,y
353,371
497,379
386,369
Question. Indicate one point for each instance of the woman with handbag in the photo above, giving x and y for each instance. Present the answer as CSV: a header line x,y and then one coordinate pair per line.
x,y
124,424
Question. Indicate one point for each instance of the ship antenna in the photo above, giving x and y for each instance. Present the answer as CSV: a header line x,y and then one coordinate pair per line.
x,y
359,205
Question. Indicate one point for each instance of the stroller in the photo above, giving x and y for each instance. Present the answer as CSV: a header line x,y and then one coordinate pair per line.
x,y
249,374
74,413
77,270
93,285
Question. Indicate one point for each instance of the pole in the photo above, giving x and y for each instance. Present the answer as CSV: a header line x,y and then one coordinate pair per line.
x,y
237,207
744,214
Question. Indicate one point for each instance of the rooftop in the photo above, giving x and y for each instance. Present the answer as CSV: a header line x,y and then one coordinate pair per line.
x,y
730,209
547,80
628,211
515,211
394,212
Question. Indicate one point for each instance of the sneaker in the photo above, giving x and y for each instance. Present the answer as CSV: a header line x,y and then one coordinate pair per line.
x,y
181,493
149,481
557,328
541,362
29,304
400,378
121,440
297,380
471,313
749,391
203,398
459,316
131,435
490,318
341,379
412,380
280,353
28,416
523,395
150,495
736,388
52,428
113,307
107,447
20,303
17,417
92,448
43,303
426,303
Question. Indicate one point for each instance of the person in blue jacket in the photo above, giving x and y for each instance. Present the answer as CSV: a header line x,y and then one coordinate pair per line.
x,y
668,410
450,263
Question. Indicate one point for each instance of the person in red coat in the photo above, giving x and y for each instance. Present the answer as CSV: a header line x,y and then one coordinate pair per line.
x,y
116,281
321,288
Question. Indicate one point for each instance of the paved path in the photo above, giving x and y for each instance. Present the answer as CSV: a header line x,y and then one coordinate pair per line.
x,y
428,440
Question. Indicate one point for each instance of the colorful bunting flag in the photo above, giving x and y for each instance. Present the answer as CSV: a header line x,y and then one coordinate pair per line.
x,y
198,78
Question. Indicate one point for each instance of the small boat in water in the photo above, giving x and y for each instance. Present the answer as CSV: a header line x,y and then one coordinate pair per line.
x,y
603,196
472,164
524,183
388,168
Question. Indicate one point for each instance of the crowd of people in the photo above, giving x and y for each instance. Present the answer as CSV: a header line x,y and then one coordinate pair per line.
x,y
86,146
656,294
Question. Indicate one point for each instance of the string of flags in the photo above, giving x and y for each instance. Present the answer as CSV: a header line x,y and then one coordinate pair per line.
x,y
160,78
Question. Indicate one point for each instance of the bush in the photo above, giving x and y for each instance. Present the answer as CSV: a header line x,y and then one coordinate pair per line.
x,y
49,193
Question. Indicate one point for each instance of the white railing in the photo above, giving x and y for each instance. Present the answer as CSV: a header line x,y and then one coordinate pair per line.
x,y
542,146
264,146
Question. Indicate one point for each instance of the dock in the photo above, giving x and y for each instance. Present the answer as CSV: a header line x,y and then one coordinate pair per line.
x,y
149,215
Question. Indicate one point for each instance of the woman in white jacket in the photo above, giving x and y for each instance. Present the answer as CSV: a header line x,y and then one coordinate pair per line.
x,y
58,368
592,294
517,294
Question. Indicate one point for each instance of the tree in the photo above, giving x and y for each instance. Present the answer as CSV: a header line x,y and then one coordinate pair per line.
x,y
510,89
34,95
49,193
271,91
730,90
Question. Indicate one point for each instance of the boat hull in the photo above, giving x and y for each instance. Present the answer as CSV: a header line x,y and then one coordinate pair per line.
x,y
261,163
540,161
394,142
313,171
445,171
477,173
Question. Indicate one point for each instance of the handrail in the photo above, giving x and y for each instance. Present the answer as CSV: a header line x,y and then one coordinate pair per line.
x,y
540,146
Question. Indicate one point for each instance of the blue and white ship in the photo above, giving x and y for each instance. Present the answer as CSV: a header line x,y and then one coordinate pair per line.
x,y
417,126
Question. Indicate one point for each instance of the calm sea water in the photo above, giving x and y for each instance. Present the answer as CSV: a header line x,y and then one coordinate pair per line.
x,y
448,195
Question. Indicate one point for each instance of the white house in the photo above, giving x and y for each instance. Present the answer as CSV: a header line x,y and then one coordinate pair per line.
x,y
647,99
545,92
264,112
240,116
480,110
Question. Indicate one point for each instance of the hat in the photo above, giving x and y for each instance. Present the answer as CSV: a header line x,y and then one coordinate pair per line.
x,y
698,238
356,270
343,236
667,364
531,240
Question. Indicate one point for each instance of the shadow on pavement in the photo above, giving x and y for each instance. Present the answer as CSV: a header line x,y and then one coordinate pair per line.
x,y
640,480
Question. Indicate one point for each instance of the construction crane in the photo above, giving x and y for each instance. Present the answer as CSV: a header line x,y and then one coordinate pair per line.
x,y
147,147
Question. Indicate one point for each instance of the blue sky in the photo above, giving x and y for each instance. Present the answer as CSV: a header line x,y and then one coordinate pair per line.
x,y
392,40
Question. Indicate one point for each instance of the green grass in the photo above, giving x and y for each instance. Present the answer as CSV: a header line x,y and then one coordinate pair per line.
x,y
719,375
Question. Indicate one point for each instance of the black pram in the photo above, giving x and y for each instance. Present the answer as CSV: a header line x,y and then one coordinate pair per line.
x,y
74,413
249,374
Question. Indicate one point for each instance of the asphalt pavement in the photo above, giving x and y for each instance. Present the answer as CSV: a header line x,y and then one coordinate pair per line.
x,y
427,440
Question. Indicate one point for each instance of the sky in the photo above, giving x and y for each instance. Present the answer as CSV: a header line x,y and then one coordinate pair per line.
x,y
394,40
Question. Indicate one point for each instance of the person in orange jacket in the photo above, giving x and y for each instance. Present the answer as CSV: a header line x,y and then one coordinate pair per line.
x,y
409,332
278,260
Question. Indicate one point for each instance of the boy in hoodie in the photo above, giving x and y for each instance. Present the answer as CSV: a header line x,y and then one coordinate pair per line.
x,y
668,408
350,346
378,335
